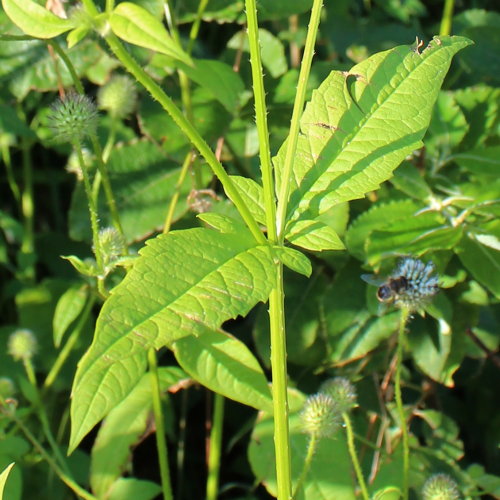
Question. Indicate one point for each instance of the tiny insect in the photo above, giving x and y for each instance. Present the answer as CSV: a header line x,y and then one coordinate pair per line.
x,y
389,289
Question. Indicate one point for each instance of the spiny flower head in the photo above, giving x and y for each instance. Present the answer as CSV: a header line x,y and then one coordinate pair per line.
x,y
73,117
118,96
320,416
440,487
421,283
22,344
341,391
112,245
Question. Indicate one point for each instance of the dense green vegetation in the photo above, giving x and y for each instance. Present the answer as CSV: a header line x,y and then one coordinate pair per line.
x,y
249,250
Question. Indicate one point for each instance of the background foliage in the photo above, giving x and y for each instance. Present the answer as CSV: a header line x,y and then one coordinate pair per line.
x,y
442,204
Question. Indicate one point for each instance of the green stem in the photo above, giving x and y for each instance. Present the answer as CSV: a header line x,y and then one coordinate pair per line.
x,y
69,65
195,28
188,160
93,216
354,456
261,119
161,443
68,347
215,448
108,191
447,18
65,478
399,401
298,105
27,207
279,388
11,179
186,126
311,449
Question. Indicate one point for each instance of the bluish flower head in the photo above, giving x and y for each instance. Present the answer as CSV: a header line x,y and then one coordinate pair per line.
x,y
421,283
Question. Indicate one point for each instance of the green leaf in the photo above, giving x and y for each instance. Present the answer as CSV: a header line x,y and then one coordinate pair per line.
x,y
122,429
253,196
68,308
136,25
184,283
272,50
34,20
87,267
219,79
294,260
482,262
483,161
360,125
225,365
377,218
408,179
143,180
388,493
222,222
3,478
313,235
130,487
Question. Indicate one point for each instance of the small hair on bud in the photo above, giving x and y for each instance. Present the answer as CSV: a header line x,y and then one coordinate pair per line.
x,y
440,487
342,391
320,416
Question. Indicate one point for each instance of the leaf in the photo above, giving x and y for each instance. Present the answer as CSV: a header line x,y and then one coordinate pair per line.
x,y
377,218
253,196
34,20
143,180
313,235
272,50
222,222
219,79
294,260
481,161
136,25
408,179
68,308
184,283
481,261
3,478
138,489
121,430
225,365
360,125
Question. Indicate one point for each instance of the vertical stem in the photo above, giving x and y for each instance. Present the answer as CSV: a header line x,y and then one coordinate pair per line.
x,y
298,105
311,448
161,443
215,448
354,456
447,18
399,401
279,379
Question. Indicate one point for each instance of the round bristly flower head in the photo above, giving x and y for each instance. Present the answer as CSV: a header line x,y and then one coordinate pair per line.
x,y
320,416
73,117
420,283
112,245
22,344
341,391
7,387
440,487
118,96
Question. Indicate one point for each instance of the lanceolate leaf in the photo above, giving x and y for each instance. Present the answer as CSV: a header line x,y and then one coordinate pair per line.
x,y
360,125
136,25
225,364
34,20
185,283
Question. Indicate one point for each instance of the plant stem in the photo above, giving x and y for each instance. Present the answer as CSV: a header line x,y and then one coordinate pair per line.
x,y
447,19
261,119
11,179
69,65
195,27
311,449
354,456
161,443
298,105
215,448
188,160
279,388
399,401
189,130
